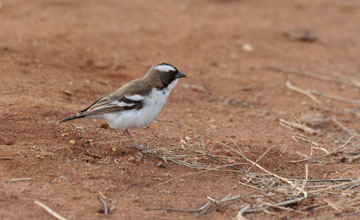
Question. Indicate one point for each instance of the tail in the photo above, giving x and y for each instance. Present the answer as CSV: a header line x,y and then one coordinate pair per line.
x,y
78,115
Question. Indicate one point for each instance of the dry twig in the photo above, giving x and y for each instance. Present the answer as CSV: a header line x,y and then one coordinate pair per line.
x,y
351,132
302,91
5,158
314,144
106,207
267,150
204,208
334,186
201,208
297,125
19,179
49,210
269,185
328,154
306,178
340,78
262,168
339,98
239,215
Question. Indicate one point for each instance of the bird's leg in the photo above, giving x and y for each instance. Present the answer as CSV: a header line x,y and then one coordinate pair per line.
x,y
139,147
127,133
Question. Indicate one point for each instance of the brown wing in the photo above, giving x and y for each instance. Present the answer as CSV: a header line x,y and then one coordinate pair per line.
x,y
104,105
128,97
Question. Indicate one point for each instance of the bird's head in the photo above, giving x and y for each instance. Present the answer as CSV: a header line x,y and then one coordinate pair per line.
x,y
166,73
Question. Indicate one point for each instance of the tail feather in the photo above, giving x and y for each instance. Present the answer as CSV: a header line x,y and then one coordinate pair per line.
x,y
72,117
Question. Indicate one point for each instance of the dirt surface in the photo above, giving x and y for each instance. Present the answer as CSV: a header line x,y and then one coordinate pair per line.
x,y
56,57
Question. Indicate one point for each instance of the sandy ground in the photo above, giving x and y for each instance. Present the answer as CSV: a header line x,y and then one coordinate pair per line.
x,y
56,57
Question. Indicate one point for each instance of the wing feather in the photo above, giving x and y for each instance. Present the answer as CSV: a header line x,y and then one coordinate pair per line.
x,y
110,104
130,96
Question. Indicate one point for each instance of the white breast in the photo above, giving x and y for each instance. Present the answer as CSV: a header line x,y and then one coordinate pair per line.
x,y
139,118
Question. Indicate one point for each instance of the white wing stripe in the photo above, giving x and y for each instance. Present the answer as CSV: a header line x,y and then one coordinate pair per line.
x,y
135,97
122,104
112,104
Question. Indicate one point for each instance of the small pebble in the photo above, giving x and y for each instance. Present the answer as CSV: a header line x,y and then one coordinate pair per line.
x,y
72,142
67,92
247,47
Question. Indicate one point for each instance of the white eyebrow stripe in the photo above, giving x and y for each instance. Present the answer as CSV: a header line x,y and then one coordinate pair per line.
x,y
135,97
164,68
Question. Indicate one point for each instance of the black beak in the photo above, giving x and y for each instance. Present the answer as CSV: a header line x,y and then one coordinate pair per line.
x,y
180,75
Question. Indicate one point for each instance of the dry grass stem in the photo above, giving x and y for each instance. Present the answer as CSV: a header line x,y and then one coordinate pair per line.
x,y
301,191
331,180
302,91
289,124
334,186
338,78
268,192
239,215
313,120
339,98
200,209
19,179
300,72
49,210
348,79
106,207
332,205
259,166
314,144
250,186
179,177
349,131
354,158
294,200
5,158
267,150
306,179
204,208
328,154
307,136
267,205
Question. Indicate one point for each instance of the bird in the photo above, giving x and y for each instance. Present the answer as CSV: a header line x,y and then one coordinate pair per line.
x,y
136,103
